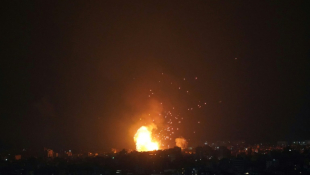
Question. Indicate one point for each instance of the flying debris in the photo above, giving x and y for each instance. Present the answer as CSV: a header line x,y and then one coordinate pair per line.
x,y
169,114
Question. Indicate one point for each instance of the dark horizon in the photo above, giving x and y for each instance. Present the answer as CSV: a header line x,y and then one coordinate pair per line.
x,y
79,75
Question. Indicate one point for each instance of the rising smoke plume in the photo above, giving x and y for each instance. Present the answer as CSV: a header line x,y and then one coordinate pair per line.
x,y
181,142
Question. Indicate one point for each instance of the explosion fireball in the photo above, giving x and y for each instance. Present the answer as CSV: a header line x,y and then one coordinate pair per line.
x,y
143,139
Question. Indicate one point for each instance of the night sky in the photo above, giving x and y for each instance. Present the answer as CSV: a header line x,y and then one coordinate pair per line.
x,y
81,74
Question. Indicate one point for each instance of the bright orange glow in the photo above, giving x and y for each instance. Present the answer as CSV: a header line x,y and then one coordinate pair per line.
x,y
181,142
143,139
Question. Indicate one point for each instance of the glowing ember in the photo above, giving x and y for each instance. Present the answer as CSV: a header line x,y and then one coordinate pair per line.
x,y
143,139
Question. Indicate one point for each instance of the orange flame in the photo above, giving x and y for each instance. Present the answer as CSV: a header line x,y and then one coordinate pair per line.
x,y
143,139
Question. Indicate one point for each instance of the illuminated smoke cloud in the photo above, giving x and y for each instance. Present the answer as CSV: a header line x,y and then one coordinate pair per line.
x,y
181,142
